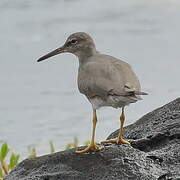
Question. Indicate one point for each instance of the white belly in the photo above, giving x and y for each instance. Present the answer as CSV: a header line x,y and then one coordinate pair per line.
x,y
113,101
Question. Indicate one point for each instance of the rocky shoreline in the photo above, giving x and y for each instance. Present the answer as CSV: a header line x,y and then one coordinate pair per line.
x,y
154,154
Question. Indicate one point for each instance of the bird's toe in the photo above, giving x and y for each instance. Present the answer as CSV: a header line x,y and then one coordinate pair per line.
x,y
116,140
90,148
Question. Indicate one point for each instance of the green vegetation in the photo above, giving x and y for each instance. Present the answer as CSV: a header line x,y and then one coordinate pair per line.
x,y
75,144
5,166
52,148
9,160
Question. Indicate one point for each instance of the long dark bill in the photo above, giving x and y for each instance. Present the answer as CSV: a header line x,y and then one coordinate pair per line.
x,y
53,53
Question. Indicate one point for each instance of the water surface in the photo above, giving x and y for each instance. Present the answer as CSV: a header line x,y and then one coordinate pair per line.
x,y
40,101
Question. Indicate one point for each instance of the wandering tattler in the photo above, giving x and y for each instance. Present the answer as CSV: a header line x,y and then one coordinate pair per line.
x,y
103,79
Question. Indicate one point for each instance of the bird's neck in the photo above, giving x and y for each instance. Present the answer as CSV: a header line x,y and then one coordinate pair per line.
x,y
85,55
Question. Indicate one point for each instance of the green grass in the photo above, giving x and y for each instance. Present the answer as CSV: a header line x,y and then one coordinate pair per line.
x,y
7,165
8,159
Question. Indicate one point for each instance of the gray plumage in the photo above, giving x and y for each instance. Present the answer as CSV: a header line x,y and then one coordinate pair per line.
x,y
103,79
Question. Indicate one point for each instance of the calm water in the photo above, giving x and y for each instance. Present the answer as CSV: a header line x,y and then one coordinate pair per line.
x,y
40,101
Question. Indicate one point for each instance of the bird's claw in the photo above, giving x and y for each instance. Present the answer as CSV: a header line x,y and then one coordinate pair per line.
x,y
116,140
90,148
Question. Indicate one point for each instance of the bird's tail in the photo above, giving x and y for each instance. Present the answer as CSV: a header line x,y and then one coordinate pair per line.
x,y
140,93
137,95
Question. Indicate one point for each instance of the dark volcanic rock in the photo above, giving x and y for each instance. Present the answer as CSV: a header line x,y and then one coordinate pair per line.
x,y
155,154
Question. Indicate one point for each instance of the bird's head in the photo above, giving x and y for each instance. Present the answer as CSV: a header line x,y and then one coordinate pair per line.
x,y
79,44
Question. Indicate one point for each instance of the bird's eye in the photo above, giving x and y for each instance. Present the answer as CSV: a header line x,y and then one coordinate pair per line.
x,y
73,41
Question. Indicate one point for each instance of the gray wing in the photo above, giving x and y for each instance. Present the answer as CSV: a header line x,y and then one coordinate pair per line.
x,y
106,75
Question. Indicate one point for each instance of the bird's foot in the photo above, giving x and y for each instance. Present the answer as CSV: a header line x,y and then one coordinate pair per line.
x,y
90,148
116,140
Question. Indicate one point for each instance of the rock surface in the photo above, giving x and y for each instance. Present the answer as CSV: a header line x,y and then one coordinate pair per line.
x,y
154,154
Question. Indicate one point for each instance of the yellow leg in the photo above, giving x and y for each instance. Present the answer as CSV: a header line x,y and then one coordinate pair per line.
x,y
92,146
119,139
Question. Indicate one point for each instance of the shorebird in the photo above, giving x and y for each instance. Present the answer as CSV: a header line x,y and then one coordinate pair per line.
x,y
103,79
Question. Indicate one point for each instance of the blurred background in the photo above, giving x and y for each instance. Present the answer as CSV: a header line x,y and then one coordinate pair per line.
x,y
40,101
